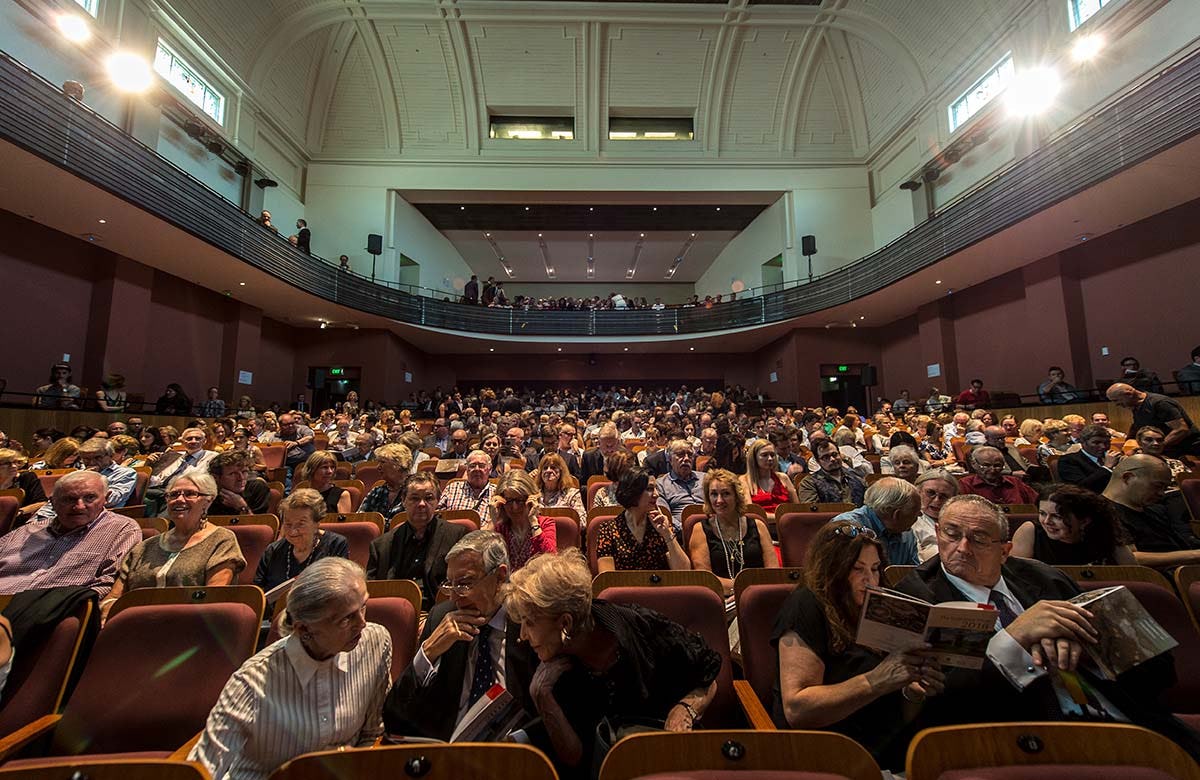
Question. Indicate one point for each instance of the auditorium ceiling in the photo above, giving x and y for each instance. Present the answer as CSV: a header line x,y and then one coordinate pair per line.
x,y
820,81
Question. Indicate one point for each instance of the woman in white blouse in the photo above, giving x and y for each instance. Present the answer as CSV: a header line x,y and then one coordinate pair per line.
x,y
321,687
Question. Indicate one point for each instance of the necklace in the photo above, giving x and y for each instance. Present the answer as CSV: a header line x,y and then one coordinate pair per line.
x,y
292,563
735,552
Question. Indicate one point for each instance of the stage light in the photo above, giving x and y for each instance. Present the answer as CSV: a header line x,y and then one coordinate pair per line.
x,y
129,72
73,27
1087,47
1033,91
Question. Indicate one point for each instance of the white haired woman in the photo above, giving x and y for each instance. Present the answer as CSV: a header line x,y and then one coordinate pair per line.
x,y
321,687
192,552
302,541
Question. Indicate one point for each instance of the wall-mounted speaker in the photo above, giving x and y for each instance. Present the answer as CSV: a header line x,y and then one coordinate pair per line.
x,y
868,377
374,244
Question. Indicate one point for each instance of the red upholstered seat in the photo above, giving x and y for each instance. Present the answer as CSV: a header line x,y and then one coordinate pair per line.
x,y
8,513
702,611
359,535
1057,772
753,774
566,533
400,619
757,609
39,673
796,531
253,539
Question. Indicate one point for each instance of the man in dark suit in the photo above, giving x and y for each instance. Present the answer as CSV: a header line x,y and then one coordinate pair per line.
x,y
471,290
594,459
468,646
416,550
1038,631
1091,466
303,237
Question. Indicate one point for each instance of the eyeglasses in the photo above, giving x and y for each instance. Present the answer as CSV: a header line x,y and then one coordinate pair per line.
x,y
854,530
463,588
932,494
189,495
954,534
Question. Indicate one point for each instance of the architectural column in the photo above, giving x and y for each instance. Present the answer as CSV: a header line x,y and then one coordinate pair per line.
x,y
1054,300
240,350
118,322
935,321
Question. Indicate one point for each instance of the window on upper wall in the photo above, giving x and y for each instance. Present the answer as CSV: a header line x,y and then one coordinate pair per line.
x,y
91,6
981,92
532,128
184,78
650,129
1079,11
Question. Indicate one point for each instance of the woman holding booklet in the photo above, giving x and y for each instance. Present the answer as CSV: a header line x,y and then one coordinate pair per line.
x,y
826,681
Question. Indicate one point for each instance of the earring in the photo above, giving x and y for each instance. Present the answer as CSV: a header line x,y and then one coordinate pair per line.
x,y
564,636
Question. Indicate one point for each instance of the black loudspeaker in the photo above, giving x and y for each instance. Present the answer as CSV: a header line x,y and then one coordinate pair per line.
x,y
591,360
374,244
868,377
808,245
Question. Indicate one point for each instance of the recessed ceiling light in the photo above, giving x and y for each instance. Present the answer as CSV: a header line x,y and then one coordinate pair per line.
x,y
560,349
939,281
487,235
241,284
693,235
539,235
654,208
626,349
643,235
718,208
527,208
491,349
591,208
591,235
462,208
104,222
691,349
863,317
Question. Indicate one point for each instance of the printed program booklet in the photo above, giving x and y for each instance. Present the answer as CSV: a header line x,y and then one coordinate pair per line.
x,y
958,631
1128,635
490,719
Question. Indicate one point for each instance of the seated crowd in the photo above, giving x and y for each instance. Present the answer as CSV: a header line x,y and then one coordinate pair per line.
x,y
488,510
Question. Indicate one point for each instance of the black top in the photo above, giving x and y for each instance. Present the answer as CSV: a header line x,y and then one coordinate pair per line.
x,y
658,663
408,558
332,495
278,564
1055,553
1151,529
721,555
1158,410
29,482
257,496
878,726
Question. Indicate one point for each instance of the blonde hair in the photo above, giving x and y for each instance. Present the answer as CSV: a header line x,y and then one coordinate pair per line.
x,y
396,454
16,457
753,473
517,481
1031,430
550,586
314,462
59,452
725,477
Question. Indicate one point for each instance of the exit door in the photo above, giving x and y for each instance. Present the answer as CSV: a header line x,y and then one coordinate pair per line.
x,y
331,384
841,387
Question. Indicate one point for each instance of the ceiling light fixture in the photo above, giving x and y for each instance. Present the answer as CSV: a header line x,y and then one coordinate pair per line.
x,y
73,27
241,284
939,281
103,222
491,349
560,349
129,72
1087,47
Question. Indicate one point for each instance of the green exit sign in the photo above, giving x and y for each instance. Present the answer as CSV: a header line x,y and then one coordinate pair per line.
x,y
337,372
843,369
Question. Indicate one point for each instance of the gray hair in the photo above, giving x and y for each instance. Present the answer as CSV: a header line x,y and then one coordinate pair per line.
x,y
96,447
983,505
480,453
489,545
940,474
890,495
69,480
903,449
973,455
316,589
198,477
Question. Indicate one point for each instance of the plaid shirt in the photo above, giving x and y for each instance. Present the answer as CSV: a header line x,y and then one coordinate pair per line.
x,y
460,495
38,555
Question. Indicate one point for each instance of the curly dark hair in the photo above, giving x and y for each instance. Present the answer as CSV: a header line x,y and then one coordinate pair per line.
x,y
831,558
1104,531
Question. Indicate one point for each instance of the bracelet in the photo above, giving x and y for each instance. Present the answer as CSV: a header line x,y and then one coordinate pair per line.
x,y
691,711
904,693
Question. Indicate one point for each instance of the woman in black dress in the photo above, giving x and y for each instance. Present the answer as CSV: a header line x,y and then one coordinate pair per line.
x,y
301,540
1075,527
728,539
319,470
826,681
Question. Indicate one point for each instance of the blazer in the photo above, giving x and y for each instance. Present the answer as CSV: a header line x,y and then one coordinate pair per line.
x,y
591,465
657,464
432,710
1077,468
380,557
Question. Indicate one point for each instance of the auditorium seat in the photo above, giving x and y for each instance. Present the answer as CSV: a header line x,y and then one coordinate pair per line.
x,y
368,472
359,533
254,534
595,523
739,755
757,608
1191,496
796,531
496,761
9,505
396,605
110,769
37,682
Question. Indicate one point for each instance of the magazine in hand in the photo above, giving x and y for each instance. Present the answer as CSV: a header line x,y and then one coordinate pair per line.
x,y
958,631
490,719
1128,635
279,590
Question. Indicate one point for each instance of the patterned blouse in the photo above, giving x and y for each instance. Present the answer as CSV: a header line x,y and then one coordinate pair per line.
x,y
616,541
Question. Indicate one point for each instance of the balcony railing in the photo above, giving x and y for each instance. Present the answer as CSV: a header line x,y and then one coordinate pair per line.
x,y
1150,118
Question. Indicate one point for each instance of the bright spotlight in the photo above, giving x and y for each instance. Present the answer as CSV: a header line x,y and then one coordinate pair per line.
x,y
73,28
129,72
1032,91
1087,47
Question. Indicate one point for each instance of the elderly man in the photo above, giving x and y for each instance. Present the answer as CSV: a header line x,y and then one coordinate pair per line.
x,y
298,438
708,442
890,507
1014,463
1091,465
459,446
467,645
237,493
117,428
1162,412
97,455
594,459
1037,629
341,437
476,491
363,449
516,445
833,482
173,463
1136,491
681,487
1101,419
80,544
440,437
990,481
955,429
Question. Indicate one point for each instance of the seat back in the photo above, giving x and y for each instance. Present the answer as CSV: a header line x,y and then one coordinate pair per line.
x,y
37,681
758,606
49,477
716,755
648,578
357,491
595,523
698,609
359,535
109,769
157,669
498,761
273,454
594,486
355,517
400,618
254,540
9,505
139,488
566,532
368,472
777,575
796,532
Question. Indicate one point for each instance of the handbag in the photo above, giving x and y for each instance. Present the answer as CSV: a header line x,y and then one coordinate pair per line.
x,y
610,731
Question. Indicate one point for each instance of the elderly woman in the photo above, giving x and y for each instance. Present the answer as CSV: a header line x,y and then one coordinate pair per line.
x,y
1075,527
192,552
1058,435
763,482
825,680
321,687
1030,433
902,461
728,539
512,516
319,470
615,467
642,536
126,449
412,440
936,487
556,486
602,660
12,477
387,498
302,542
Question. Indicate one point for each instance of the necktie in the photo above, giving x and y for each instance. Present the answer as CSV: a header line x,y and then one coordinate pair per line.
x,y
485,673
1002,609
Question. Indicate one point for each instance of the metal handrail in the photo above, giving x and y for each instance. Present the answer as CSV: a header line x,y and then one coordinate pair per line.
x,y
1151,117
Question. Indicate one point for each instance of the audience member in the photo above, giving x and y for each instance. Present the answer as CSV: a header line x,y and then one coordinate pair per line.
x,y
1075,527
363,449
97,455
416,549
615,467
974,397
1189,376
511,514
319,470
173,401
299,440
60,392
1162,412
600,660
595,459
111,396
12,477
1058,440
557,488
890,507
172,463
728,539
936,486
301,543
832,483
1056,389
1091,465
303,237
763,482
475,492
440,437
387,498
1133,374
1151,441
1136,491
1101,419
321,687
80,543
681,487
237,492
990,481
1014,463
642,536
212,405
902,461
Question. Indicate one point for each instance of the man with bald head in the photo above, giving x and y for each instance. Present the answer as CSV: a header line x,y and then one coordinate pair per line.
x,y
1136,491
1163,413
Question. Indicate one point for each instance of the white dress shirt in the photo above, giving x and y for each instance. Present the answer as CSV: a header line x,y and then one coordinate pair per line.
x,y
1013,661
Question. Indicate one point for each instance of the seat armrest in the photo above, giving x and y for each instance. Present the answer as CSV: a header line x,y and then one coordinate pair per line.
x,y
11,745
755,712
182,753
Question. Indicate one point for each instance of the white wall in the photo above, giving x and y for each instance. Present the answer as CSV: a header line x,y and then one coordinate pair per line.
x,y
442,267
340,217
742,258
191,156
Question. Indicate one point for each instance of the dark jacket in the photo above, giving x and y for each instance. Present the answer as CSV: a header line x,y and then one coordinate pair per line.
x,y
381,558
1076,468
